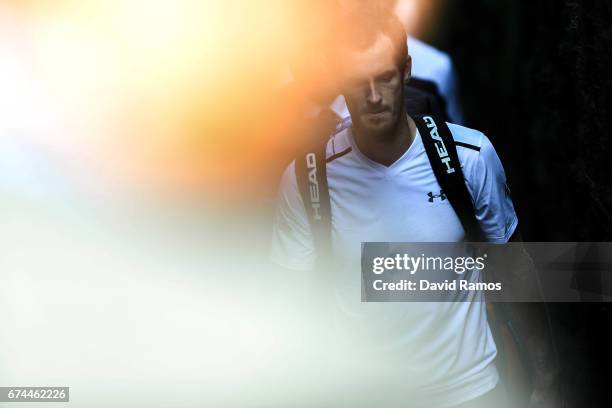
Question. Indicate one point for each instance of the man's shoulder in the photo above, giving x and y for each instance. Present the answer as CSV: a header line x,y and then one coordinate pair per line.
x,y
337,146
467,138
473,148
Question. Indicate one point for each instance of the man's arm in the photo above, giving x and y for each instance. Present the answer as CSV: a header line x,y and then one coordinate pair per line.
x,y
293,251
531,322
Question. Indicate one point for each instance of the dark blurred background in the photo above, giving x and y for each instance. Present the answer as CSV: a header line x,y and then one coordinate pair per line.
x,y
535,77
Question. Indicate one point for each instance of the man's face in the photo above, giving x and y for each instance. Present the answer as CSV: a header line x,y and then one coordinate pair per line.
x,y
374,88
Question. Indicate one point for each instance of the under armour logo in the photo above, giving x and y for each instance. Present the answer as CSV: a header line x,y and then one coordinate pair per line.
x,y
433,196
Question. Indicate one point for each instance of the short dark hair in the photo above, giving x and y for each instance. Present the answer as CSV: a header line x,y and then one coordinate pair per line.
x,y
363,23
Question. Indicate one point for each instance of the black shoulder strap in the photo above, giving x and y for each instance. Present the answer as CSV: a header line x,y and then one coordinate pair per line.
x,y
442,153
311,174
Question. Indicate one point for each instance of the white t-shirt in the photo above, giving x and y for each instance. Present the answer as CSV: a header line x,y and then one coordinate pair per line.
x,y
448,347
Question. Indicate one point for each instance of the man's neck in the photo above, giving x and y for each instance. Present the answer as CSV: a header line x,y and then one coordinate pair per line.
x,y
388,149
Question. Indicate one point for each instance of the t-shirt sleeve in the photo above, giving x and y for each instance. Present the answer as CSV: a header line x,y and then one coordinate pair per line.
x,y
292,243
491,195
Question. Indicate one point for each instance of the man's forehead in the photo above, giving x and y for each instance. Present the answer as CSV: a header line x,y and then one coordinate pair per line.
x,y
374,60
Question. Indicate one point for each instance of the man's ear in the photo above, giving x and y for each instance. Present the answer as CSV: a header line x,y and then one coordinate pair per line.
x,y
408,69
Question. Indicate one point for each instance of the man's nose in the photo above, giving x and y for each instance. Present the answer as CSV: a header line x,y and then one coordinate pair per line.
x,y
373,94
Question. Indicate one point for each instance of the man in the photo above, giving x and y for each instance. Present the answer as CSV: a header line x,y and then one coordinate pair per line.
x,y
433,70
379,179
